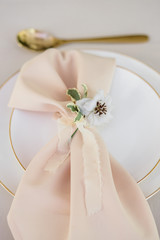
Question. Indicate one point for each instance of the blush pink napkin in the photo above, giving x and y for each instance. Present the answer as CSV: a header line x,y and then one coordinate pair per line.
x,y
66,193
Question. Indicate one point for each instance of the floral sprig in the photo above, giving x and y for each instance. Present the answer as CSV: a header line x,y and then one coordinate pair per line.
x,y
75,96
95,111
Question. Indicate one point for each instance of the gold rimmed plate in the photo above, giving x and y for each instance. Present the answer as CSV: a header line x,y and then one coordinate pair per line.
x,y
125,137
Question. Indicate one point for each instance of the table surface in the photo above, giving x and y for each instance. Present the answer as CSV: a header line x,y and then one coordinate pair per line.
x,y
71,19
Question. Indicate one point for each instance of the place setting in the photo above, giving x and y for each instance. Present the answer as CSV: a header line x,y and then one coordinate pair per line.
x,y
83,119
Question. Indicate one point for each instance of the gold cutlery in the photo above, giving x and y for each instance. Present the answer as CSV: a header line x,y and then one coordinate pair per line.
x,y
41,40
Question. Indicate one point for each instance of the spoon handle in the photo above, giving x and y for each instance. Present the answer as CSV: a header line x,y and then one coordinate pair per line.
x,y
110,39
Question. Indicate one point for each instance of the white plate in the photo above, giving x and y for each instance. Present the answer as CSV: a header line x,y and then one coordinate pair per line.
x,y
132,137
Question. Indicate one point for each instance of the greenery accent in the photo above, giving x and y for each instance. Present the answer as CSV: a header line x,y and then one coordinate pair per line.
x,y
74,133
72,107
85,90
74,94
78,117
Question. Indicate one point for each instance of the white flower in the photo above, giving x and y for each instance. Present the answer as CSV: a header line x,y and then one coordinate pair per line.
x,y
96,110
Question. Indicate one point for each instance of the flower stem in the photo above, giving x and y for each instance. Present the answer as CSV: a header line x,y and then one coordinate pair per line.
x,y
74,133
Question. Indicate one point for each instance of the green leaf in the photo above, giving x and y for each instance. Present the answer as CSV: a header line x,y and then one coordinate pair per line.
x,y
78,117
72,107
74,94
85,90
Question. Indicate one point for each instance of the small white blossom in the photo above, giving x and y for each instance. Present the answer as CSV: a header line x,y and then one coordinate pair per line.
x,y
96,110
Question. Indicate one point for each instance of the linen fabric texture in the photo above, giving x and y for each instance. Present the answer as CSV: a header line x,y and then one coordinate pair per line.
x,y
73,189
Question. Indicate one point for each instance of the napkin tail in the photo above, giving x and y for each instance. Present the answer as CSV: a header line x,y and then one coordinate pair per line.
x,y
91,162
92,171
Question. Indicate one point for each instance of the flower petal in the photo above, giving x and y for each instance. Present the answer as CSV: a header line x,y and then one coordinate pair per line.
x,y
81,104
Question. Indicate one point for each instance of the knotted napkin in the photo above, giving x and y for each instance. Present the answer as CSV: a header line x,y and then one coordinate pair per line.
x,y
73,189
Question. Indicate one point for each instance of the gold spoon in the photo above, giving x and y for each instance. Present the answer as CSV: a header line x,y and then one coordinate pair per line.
x,y
40,40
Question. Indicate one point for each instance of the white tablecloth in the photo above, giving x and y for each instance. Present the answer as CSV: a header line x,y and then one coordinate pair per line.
x,y
81,18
